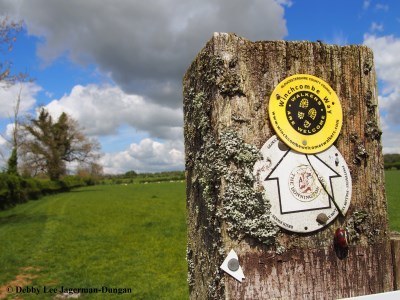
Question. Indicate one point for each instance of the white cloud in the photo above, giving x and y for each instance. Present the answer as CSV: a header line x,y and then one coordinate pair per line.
x,y
390,139
9,96
366,4
390,105
390,136
104,110
2,141
101,110
380,6
10,130
146,156
387,60
4,152
387,63
376,27
143,45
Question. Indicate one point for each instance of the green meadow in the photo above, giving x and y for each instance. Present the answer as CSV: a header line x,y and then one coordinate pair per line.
x,y
392,184
115,236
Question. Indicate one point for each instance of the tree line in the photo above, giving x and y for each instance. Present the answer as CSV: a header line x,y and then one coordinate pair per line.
x,y
392,161
133,177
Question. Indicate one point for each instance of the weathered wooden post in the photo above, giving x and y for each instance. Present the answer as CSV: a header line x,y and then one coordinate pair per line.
x,y
395,240
227,92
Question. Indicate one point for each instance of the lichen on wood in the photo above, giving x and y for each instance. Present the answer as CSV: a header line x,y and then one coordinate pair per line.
x,y
228,164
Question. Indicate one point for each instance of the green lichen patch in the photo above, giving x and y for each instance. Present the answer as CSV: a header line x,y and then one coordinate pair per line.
x,y
191,266
212,68
214,71
230,85
219,175
228,187
356,225
363,228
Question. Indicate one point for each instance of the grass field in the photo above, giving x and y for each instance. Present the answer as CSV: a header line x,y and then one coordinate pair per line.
x,y
393,195
115,236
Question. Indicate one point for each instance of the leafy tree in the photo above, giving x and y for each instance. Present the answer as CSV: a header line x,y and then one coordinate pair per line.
x,y
392,161
391,158
130,174
49,145
12,164
91,171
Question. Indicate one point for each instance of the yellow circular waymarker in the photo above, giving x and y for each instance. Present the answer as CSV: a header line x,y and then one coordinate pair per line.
x,y
306,113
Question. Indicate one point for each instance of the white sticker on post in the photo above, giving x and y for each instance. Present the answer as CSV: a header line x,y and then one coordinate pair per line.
x,y
232,267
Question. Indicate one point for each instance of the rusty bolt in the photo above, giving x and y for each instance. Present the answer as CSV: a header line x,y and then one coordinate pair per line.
x,y
322,218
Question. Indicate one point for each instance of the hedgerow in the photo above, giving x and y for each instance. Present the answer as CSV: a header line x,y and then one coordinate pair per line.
x,y
15,189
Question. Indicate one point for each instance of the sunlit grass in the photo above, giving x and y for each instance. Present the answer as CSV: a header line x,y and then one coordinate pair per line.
x,y
116,236
392,184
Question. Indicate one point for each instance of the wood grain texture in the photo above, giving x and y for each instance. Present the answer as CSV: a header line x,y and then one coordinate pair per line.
x,y
395,241
228,86
313,274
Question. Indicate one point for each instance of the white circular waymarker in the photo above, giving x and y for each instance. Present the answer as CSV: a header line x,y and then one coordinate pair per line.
x,y
306,191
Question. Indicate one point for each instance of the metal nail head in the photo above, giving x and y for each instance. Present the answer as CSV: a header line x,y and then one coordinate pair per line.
x,y
322,218
233,264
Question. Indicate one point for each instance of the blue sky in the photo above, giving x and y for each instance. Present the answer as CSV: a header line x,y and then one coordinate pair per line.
x,y
116,66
